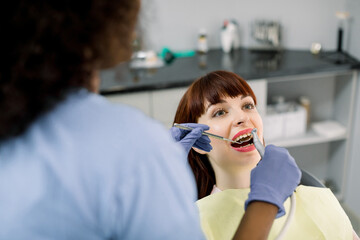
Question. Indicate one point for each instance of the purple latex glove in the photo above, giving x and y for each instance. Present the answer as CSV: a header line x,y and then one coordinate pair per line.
x,y
274,179
192,138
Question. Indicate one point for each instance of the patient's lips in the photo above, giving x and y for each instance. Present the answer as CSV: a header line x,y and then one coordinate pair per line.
x,y
245,139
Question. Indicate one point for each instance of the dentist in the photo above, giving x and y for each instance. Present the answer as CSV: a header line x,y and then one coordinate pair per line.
x,y
73,165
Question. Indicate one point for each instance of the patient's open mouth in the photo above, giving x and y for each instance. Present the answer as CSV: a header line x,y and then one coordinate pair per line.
x,y
244,140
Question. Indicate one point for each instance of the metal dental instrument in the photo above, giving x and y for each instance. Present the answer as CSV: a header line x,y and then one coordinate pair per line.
x,y
261,149
206,133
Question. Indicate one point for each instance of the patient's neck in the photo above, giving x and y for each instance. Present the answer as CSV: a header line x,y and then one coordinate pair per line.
x,y
239,178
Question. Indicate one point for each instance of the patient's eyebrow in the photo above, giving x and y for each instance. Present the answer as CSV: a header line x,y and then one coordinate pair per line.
x,y
223,101
211,104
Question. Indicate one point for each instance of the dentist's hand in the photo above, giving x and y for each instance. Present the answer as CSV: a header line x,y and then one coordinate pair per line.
x,y
192,138
274,179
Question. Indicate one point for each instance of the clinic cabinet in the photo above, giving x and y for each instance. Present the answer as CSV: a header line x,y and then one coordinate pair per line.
x,y
332,98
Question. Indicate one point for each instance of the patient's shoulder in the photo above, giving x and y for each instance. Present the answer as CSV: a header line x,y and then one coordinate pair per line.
x,y
307,191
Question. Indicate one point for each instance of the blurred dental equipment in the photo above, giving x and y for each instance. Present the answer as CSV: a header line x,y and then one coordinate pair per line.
x,y
266,35
261,149
229,36
342,17
145,59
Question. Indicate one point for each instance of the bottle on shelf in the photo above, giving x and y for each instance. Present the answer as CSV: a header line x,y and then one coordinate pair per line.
x,y
202,41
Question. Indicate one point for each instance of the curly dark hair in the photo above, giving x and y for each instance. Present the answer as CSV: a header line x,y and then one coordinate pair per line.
x,y
50,47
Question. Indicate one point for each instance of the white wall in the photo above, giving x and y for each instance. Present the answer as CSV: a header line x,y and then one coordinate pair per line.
x,y
175,23
352,197
353,7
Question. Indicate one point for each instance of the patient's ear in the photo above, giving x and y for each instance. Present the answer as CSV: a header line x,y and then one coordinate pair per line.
x,y
199,151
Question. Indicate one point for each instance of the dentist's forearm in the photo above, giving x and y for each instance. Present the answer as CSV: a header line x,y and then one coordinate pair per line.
x,y
257,221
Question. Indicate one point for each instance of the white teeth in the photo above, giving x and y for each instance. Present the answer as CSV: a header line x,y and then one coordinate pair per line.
x,y
243,136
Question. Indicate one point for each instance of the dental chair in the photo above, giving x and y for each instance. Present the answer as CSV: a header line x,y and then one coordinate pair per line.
x,y
308,179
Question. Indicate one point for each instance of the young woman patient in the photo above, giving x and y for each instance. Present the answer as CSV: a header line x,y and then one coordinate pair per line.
x,y
227,105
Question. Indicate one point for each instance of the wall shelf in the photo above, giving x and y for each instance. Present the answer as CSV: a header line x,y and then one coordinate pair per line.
x,y
309,138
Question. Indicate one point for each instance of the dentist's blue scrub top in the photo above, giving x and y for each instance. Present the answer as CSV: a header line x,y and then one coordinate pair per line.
x,y
90,169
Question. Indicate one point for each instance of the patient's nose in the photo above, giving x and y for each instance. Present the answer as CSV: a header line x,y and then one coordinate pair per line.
x,y
240,118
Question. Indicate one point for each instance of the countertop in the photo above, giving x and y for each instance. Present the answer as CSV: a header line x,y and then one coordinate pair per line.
x,y
248,64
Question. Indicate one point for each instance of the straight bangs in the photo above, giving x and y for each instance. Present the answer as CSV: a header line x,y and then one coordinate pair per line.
x,y
211,88
221,84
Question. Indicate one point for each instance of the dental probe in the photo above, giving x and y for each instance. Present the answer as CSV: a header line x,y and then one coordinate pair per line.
x,y
261,149
207,134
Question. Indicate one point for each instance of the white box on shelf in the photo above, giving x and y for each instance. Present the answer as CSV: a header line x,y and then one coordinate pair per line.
x,y
329,128
273,124
295,122
284,124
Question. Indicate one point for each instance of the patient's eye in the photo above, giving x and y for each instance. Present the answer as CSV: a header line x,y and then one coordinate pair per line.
x,y
249,106
218,113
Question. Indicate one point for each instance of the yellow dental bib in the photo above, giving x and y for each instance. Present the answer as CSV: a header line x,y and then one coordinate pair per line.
x,y
318,215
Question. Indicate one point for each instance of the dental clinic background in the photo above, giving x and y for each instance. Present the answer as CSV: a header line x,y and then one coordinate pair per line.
x,y
176,24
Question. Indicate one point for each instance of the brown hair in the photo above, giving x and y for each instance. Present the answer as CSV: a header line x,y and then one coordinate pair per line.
x,y
212,88
52,47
